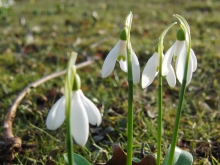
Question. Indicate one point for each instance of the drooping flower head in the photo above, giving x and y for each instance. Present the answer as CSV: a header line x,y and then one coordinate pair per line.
x,y
119,53
178,52
83,112
151,70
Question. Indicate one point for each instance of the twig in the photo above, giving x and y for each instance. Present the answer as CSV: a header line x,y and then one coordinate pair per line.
x,y
24,145
13,144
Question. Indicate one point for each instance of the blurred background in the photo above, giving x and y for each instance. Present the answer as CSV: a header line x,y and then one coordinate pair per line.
x,y
35,37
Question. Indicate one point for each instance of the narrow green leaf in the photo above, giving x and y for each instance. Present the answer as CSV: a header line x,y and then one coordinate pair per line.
x,y
78,159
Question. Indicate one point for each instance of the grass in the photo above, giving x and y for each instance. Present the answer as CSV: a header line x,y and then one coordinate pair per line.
x,y
61,26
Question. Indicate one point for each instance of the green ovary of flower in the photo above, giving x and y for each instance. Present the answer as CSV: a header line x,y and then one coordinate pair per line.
x,y
77,82
123,35
180,35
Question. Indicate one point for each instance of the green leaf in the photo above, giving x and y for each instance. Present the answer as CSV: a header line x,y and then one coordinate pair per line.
x,y
136,160
78,159
181,157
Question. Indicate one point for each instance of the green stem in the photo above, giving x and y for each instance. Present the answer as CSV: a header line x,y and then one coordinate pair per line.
x,y
177,123
130,122
71,71
130,92
183,88
69,140
160,113
160,98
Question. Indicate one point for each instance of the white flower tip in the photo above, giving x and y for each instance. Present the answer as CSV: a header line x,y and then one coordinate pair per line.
x,y
171,78
104,75
172,85
109,62
136,75
56,115
51,123
145,82
150,71
92,111
99,120
135,68
137,81
81,141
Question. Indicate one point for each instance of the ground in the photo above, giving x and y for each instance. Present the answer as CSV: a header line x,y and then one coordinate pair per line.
x,y
38,46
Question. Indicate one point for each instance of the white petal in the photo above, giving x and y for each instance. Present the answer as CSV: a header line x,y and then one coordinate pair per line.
x,y
123,65
135,68
171,78
79,120
190,71
167,59
93,113
178,47
122,51
194,60
180,64
150,71
56,115
110,61
122,48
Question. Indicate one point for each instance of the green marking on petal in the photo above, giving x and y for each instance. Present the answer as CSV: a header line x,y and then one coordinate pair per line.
x,y
174,57
157,69
121,57
180,35
123,35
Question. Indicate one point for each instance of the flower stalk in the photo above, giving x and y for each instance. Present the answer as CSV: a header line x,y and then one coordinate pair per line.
x,y
71,71
186,29
130,90
159,102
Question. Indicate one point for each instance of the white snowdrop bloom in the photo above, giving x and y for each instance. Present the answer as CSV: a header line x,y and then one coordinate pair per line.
x,y
83,112
119,53
151,70
178,52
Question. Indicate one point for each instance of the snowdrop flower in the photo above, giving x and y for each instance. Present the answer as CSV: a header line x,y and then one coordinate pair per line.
x,y
83,112
151,70
119,53
178,51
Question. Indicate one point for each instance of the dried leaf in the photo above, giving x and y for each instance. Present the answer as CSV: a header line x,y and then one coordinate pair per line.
x,y
147,160
119,158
